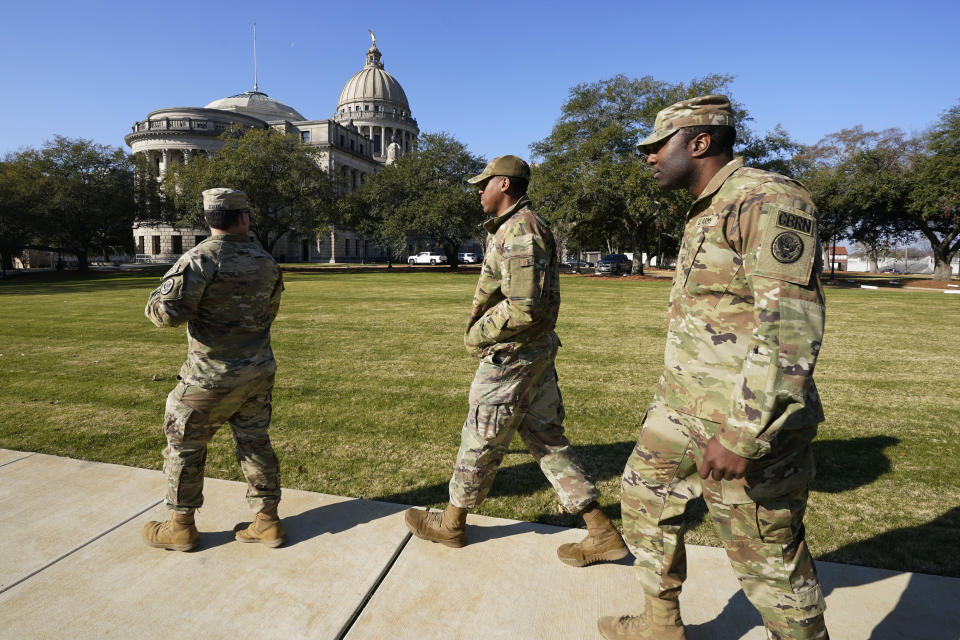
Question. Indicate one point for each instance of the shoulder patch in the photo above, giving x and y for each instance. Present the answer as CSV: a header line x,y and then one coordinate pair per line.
x,y
788,244
172,286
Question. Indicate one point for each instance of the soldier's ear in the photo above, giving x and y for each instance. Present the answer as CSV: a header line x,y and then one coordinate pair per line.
x,y
700,145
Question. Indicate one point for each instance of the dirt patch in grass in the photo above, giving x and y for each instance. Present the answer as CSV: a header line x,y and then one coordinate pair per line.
x,y
917,283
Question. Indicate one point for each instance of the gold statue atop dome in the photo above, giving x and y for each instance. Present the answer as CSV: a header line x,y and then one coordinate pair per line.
x,y
373,37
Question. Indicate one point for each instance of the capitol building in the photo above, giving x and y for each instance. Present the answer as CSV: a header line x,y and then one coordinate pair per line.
x,y
372,125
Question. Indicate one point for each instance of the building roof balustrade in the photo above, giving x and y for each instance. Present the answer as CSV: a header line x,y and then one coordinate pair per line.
x,y
359,116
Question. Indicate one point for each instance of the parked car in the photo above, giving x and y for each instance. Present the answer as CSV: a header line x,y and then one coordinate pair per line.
x,y
573,263
614,264
468,258
427,257
891,270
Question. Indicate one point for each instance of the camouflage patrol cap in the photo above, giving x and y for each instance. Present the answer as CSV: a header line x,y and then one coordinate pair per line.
x,y
702,110
221,199
509,166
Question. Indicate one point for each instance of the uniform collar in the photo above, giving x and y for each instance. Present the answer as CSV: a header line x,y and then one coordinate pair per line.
x,y
717,181
232,237
493,224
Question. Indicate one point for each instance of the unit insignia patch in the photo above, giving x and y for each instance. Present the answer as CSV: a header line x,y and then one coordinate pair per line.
x,y
787,247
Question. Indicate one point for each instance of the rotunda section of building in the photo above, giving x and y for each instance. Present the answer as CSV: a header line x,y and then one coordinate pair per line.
x,y
176,135
374,102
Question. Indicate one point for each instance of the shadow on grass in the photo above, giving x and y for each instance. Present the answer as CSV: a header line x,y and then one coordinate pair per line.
x,y
843,465
55,282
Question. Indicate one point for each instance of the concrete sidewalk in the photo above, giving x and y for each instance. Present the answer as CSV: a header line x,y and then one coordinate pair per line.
x,y
72,564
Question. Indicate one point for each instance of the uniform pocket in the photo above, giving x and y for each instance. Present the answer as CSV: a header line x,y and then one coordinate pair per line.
x,y
523,278
776,521
713,267
690,255
192,414
488,420
808,603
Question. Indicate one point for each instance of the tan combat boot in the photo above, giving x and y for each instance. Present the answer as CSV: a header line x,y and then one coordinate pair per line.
x,y
448,528
603,541
660,621
266,528
179,533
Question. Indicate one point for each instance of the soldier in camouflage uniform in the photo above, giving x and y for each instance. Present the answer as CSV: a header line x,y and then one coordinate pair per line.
x,y
227,289
511,332
736,408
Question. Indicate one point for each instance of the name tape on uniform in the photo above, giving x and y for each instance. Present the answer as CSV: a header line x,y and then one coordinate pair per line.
x,y
707,221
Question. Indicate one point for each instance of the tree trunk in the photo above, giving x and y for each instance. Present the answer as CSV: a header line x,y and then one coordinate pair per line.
x,y
83,264
637,268
942,271
833,256
451,250
874,267
942,253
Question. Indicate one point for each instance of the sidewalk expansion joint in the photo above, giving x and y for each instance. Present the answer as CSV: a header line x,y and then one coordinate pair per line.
x,y
373,589
77,548
17,459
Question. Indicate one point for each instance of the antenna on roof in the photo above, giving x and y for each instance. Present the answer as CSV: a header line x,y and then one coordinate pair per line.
x,y
255,86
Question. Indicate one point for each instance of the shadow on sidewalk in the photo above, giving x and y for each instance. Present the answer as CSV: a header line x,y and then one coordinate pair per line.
x,y
844,465
335,518
923,610
601,461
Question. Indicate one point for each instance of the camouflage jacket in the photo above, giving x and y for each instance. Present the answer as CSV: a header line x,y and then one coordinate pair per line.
x,y
227,289
517,299
746,311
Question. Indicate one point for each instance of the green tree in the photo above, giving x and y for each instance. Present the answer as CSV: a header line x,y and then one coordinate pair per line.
x,y
593,183
423,194
287,189
860,181
21,199
87,198
934,200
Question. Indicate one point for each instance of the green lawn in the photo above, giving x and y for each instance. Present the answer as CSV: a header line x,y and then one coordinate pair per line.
x,y
373,380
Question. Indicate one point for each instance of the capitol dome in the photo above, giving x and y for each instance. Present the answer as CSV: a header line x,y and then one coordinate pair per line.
x,y
373,85
259,105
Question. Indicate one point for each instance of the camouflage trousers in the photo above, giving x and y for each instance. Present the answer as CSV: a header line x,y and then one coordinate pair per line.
x,y
193,416
759,518
511,394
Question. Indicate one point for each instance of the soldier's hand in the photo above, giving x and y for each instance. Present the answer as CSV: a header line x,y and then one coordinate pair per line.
x,y
722,464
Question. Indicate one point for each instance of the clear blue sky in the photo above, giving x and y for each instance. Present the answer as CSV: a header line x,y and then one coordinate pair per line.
x,y
493,74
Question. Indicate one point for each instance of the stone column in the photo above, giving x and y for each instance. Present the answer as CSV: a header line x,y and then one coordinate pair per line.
x,y
165,155
333,245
